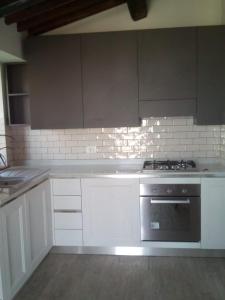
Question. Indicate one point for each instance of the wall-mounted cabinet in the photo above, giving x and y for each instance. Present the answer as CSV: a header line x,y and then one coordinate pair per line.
x,y
211,76
98,88
167,72
110,80
17,94
54,70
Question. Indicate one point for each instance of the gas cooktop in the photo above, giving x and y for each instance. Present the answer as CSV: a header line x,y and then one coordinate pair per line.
x,y
169,165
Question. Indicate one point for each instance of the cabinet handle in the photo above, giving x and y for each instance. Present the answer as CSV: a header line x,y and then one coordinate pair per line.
x,y
67,211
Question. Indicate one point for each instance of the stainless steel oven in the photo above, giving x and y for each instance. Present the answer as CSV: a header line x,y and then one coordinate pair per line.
x,y
170,212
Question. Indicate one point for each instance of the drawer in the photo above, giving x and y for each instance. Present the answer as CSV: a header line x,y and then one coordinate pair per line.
x,y
68,238
67,202
68,220
66,187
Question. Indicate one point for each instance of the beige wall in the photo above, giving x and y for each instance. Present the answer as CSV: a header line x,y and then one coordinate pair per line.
x,y
10,43
162,13
223,11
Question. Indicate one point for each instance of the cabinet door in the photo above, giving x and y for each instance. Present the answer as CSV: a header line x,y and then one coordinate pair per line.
x,y
213,216
111,212
15,237
2,267
40,222
211,74
54,77
167,71
110,83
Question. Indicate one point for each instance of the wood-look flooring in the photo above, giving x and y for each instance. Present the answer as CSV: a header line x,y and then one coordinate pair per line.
x,y
101,277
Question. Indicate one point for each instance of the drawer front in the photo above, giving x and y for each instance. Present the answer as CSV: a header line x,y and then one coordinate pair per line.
x,y
67,202
68,220
66,187
68,238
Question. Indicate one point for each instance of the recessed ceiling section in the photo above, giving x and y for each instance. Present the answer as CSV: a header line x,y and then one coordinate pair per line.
x,y
39,16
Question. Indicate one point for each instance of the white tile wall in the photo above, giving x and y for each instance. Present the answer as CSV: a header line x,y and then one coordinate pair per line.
x,y
156,138
223,142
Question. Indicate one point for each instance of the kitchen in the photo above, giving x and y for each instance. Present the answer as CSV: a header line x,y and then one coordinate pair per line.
x,y
112,150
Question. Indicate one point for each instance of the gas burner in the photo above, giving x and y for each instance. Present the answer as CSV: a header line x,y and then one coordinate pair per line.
x,y
171,165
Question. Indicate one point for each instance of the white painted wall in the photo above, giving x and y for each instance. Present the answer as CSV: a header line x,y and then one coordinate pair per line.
x,y
2,120
162,13
10,43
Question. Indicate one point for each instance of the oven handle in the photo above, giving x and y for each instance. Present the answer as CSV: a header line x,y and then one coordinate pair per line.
x,y
161,201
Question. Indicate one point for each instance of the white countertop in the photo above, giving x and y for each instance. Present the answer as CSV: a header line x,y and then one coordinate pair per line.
x,y
35,173
32,176
120,170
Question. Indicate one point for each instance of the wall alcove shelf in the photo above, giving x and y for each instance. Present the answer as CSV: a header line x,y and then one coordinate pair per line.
x,y
17,96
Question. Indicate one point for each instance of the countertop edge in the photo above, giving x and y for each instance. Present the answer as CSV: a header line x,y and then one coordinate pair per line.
x,y
30,184
50,173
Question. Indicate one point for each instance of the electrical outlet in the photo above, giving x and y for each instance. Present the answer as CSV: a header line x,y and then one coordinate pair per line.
x,y
91,149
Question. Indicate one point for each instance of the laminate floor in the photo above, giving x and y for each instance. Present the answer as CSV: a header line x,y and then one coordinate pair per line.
x,y
101,277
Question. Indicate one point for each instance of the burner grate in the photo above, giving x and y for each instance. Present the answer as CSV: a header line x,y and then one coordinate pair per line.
x,y
169,165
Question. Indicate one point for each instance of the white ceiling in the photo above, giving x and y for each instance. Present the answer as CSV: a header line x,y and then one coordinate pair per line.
x,y
162,13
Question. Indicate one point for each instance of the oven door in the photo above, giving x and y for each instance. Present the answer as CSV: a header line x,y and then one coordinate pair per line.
x,y
175,219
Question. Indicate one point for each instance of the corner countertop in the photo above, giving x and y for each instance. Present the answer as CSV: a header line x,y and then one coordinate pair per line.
x,y
32,176
122,168
36,173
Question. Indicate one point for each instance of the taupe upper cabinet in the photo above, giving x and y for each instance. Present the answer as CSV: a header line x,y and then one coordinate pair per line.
x,y
167,72
110,83
54,72
211,75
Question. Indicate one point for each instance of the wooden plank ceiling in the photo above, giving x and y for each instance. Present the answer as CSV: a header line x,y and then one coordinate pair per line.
x,y
40,16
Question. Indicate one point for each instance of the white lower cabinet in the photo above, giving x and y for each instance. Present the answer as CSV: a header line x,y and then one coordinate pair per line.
x,y
39,222
68,220
2,262
110,212
15,246
213,213
67,203
68,237
26,237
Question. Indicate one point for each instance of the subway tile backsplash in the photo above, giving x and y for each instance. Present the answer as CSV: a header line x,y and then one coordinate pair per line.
x,y
166,137
223,142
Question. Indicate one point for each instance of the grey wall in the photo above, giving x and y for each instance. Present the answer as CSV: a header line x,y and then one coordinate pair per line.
x,y
10,43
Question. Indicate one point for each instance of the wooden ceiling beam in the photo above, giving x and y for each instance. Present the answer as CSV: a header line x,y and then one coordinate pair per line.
x,y
35,10
17,6
138,9
71,7
68,15
6,2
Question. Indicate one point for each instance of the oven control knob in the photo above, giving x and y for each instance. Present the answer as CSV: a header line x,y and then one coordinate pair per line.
x,y
169,191
184,191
